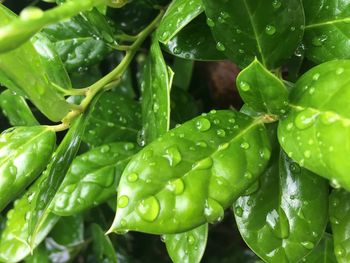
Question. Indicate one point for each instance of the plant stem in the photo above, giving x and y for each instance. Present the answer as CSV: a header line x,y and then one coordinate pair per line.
x,y
114,75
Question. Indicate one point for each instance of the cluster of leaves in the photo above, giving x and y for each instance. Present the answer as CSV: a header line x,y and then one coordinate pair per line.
x,y
137,149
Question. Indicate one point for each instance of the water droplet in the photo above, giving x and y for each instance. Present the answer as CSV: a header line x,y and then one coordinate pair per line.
x,y
339,251
316,76
248,175
31,12
203,124
328,117
335,184
239,211
231,120
203,164
308,245
245,145
129,146
191,239
276,4
177,50
223,146
220,46
213,211
221,133
173,155
339,71
244,86
123,201
210,22
13,170
295,168
177,186
164,35
105,148
202,144
307,154
265,153
149,209
319,41
305,119
133,177
270,30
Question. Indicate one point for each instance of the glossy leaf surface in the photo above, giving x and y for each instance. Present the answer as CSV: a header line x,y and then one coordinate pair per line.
x,y
24,153
187,247
327,30
34,70
245,29
157,80
221,154
194,42
54,175
14,244
261,90
339,213
114,118
177,16
315,131
323,253
16,109
92,178
285,218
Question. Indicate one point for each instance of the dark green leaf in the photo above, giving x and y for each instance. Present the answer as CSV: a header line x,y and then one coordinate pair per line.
x,y
183,106
194,42
245,29
339,213
327,30
114,118
14,239
92,178
40,255
315,131
157,81
286,217
208,161
24,154
16,109
177,16
323,253
187,247
262,90
102,245
183,70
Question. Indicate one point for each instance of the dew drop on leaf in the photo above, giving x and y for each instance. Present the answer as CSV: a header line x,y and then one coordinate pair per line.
x,y
245,145
220,46
105,149
213,211
203,164
176,186
276,4
123,201
244,86
210,22
305,119
203,124
191,239
149,209
238,211
270,30
308,245
173,155
132,177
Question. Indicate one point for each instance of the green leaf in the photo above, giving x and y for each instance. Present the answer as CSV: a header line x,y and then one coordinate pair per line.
x,y
177,16
157,81
245,29
194,42
53,176
339,214
323,253
183,70
262,90
14,244
114,118
16,109
17,32
92,178
187,247
78,43
24,153
286,217
208,161
102,245
314,131
40,255
35,70
327,30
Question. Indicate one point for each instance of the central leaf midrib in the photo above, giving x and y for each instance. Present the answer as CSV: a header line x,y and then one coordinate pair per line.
x,y
328,23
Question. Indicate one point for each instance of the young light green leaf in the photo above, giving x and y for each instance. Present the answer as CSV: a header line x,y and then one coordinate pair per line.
x,y
327,30
16,109
323,253
102,245
53,176
194,42
35,70
114,118
93,178
245,29
221,153
155,95
315,131
31,20
286,217
14,239
187,247
24,153
261,90
339,214
177,16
